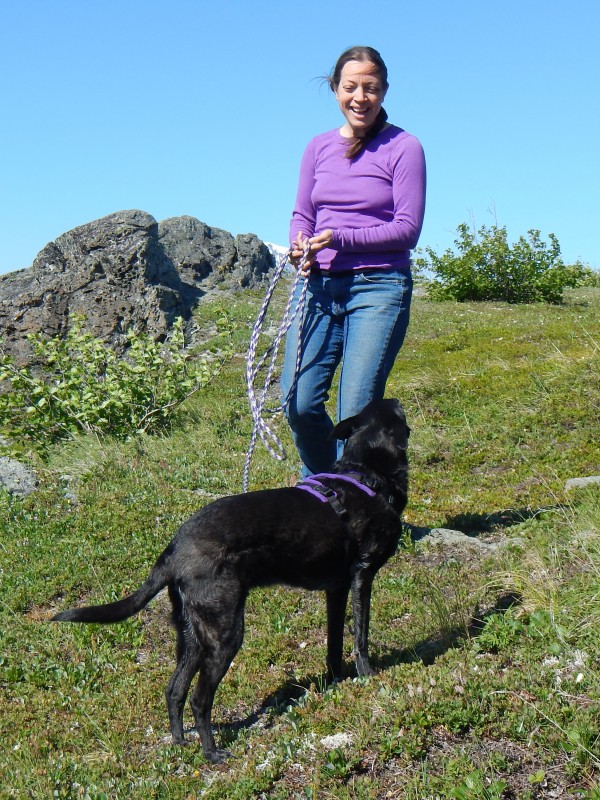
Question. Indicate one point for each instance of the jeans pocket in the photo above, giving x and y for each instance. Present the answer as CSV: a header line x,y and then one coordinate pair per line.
x,y
389,277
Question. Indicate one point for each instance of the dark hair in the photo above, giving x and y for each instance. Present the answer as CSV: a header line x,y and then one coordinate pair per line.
x,y
361,53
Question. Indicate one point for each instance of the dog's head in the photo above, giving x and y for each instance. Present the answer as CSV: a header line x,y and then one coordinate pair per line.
x,y
377,437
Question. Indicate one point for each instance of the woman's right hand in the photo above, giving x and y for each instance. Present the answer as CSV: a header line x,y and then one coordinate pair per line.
x,y
297,250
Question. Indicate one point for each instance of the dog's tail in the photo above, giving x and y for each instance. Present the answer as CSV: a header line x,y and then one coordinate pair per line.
x,y
128,606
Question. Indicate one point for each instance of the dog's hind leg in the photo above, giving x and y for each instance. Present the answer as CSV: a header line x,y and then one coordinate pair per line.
x,y
189,655
337,599
361,610
224,638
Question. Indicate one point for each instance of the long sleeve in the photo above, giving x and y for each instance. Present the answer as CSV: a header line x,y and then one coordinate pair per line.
x,y
402,233
304,214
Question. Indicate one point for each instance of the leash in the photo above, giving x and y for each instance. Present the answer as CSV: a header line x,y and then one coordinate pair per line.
x,y
258,398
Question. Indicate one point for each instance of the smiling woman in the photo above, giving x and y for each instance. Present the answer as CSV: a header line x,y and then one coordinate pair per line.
x,y
358,213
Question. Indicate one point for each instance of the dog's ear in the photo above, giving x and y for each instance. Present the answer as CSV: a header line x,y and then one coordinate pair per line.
x,y
344,428
381,409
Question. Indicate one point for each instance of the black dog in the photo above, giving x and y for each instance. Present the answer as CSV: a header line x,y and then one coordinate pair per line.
x,y
278,536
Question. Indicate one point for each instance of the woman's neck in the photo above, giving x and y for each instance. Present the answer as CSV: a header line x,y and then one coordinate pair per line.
x,y
346,132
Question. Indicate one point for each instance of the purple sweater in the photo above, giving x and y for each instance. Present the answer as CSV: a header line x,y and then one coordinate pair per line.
x,y
374,204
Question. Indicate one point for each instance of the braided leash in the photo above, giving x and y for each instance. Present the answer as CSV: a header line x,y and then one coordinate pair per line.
x,y
256,398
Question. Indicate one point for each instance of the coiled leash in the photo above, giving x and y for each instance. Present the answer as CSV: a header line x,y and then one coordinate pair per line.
x,y
258,398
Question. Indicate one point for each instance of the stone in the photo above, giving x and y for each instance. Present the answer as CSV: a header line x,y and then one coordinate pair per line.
x,y
122,271
17,478
447,537
582,483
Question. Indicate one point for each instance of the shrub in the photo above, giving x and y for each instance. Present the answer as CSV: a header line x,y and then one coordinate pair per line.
x,y
81,385
487,267
586,276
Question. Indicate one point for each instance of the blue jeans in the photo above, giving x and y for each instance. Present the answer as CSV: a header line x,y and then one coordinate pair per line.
x,y
359,320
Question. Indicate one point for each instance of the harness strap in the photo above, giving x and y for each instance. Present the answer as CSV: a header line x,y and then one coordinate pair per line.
x,y
348,478
326,494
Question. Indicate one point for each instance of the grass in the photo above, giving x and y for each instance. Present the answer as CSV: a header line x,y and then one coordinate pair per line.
x,y
488,682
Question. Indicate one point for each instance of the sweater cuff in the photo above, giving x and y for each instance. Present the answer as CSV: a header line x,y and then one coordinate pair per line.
x,y
336,240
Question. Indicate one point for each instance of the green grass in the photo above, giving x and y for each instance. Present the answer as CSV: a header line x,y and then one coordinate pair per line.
x,y
469,702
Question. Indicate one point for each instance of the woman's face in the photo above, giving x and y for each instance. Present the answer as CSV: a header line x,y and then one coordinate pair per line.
x,y
360,94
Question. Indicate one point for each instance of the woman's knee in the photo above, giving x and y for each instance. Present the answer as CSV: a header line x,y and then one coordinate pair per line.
x,y
303,411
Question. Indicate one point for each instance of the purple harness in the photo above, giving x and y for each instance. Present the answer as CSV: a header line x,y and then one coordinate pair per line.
x,y
326,494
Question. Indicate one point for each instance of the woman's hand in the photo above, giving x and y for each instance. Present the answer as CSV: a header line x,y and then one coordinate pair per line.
x,y
320,241
313,244
299,246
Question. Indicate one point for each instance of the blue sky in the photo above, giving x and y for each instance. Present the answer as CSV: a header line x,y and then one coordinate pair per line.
x,y
188,107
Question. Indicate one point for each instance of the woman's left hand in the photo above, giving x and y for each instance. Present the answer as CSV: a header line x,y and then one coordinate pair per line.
x,y
320,241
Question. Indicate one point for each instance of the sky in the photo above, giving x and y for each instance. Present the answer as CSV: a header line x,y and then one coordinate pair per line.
x,y
185,107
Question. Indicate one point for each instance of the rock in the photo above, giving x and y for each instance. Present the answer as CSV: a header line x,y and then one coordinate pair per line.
x,y
445,536
581,483
254,260
16,478
125,270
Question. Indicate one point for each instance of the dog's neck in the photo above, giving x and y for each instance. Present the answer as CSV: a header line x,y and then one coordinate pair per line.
x,y
394,486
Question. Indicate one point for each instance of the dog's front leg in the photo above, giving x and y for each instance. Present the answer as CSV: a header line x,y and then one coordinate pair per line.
x,y
337,601
361,610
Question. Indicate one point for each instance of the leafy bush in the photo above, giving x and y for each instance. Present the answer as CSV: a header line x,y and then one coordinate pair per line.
x,y
81,385
487,267
586,276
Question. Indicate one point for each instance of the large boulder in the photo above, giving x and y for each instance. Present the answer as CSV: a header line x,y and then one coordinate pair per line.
x,y
121,271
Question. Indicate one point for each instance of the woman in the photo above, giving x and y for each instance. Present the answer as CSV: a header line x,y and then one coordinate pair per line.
x,y
359,212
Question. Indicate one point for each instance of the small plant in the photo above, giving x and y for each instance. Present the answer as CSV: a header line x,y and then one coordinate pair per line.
x,y
81,385
339,764
281,623
487,267
476,787
499,632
